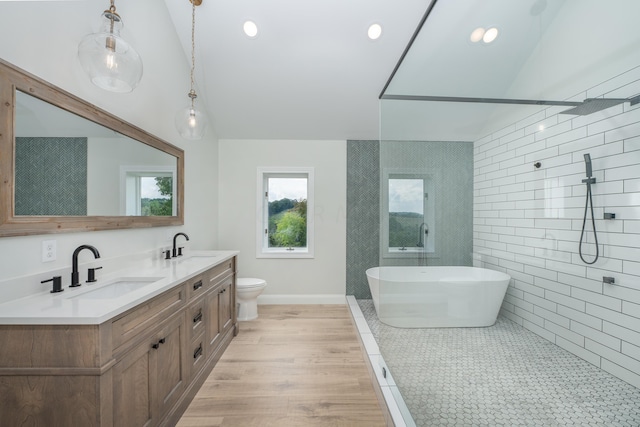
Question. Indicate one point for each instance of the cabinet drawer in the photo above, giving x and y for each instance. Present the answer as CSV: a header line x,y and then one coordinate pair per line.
x,y
197,286
221,271
146,315
196,317
197,354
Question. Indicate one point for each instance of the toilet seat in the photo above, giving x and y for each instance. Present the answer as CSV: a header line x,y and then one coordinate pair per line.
x,y
249,282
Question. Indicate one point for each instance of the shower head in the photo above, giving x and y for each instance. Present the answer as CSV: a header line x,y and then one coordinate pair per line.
x,y
593,105
587,161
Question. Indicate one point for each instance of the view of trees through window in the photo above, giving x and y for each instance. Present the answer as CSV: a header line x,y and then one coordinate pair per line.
x,y
287,215
157,196
406,212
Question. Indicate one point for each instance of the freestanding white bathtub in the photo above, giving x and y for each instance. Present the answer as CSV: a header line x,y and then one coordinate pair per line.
x,y
437,297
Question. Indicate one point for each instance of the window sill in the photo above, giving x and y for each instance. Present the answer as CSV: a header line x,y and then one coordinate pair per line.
x,y
409,253
283,253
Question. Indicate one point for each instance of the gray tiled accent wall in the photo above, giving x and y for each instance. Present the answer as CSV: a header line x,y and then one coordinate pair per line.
x,y
452,162
51,176
363,211
528,221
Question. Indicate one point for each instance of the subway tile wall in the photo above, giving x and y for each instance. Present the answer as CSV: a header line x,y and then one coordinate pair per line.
x,y
528,222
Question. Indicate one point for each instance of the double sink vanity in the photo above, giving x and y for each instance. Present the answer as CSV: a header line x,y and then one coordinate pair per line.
x,y
132,347
130,350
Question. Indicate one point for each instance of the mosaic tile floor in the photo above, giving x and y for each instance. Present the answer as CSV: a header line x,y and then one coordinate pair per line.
x,y
503,375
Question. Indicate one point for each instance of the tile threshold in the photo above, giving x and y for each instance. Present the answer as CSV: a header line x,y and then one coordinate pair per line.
x,y
397,414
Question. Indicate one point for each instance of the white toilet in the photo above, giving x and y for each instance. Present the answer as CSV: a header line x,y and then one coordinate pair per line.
x,y
247,291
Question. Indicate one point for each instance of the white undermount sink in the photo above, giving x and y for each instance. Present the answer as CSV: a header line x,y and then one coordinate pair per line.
x,y
194,258
118,288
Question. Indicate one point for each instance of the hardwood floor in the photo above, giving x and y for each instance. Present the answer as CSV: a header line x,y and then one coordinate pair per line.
x,y
296,365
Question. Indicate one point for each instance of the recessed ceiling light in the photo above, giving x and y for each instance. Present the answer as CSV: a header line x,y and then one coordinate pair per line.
x,y
250,29
490,35
477,35
375,31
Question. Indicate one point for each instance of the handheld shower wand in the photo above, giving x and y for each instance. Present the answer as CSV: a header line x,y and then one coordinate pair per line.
x,y
587,161
589,201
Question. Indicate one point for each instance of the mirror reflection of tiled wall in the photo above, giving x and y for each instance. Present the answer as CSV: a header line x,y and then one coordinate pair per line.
x,y
51,176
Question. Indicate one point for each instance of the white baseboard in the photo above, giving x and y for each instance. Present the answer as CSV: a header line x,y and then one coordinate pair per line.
x,y
301,299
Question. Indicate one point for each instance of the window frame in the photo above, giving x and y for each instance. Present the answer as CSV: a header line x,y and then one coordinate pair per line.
x,y
429,212
262,212
137,172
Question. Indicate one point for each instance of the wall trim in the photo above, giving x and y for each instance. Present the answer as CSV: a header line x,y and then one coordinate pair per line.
x,y
301,299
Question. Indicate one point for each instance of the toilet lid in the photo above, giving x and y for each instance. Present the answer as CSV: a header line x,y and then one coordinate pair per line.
x,y
249,282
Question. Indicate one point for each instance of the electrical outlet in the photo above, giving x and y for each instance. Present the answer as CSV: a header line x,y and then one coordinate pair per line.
x,y
49,250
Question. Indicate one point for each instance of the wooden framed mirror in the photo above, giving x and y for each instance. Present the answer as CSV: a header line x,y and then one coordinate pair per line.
x,y
68,166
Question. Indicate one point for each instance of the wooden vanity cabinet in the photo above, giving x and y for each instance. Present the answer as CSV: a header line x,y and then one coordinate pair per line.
x,y
141,368
151,377
227,304
220,310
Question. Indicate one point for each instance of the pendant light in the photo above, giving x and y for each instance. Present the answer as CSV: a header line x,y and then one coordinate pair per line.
x,y
191,122
111,62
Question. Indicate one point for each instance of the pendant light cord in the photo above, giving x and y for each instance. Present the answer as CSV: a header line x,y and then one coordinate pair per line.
x,y
192,92
112,12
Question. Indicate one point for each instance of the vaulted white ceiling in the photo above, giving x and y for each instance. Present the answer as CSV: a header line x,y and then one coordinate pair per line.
x,y
312,73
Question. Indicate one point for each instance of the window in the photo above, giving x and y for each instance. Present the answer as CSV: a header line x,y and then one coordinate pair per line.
x,y
148,191
285,217
408,213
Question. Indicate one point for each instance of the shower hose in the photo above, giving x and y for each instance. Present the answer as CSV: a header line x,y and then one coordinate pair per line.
x,y
589,201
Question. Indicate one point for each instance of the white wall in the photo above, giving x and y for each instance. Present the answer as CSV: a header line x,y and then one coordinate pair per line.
x,y
528,221
42,38
318,280
105,158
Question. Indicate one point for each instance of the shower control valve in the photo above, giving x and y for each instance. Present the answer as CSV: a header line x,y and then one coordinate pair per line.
x,y
609,280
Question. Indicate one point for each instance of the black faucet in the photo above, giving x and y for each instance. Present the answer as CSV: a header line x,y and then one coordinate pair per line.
x,y
75,279
175,250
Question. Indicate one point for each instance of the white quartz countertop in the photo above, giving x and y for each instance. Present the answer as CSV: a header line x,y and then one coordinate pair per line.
x,y
111,295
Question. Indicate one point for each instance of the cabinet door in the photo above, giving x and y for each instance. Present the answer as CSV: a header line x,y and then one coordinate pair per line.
x,y
150,378
227,304
171,363
212,318
133,383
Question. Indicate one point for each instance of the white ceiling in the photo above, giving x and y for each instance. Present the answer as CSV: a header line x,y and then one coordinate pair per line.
x,y
312,73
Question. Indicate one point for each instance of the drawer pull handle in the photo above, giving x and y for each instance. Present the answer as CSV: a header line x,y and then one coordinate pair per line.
x,y
198,352
157,345
198,317
197,285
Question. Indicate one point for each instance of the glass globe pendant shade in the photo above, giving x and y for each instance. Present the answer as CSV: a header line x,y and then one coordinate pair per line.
x,y
190,122
111,63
